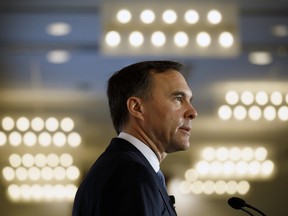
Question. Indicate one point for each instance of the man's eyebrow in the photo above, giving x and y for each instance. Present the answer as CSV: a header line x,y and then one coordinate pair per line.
x,y
183,94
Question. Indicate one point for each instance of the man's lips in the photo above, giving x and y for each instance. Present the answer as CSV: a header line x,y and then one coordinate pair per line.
x,y
185,129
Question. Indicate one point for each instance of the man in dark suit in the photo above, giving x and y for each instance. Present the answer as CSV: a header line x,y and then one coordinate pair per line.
x,y
151,110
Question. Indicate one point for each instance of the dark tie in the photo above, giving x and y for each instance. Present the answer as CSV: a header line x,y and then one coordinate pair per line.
x,y
161,178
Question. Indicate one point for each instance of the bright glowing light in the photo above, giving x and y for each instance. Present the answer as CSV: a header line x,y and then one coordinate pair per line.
x,y
208,187
124,16
247,97
216,168
27,160
59,139
67,124
112,38
247,154
191,16
52,160
3,138
136,38
34,173
147,16
8,123
47,173
269,113
225,112
203,39
209,153
66,160
197,187
214,17
267,167
276,98
181,39
232,97
235,154
14,192
254,168
72,173
74,139
260,154
191,175
226,39
220,187
8,173
158,38
254,113
169,16
21,173
241,167
229,168
22,124
231,187
240,112
59,173
52,124
243,187
203,167
261,98
45,139
15,138
29,139
37,124
222,154
283,113
58,29
40,160
15,160
58,56
260,58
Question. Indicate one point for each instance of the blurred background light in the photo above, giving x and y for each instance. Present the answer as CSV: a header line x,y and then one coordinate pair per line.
x,y
124,16
214,17
58,29
169,16
147,16
191,16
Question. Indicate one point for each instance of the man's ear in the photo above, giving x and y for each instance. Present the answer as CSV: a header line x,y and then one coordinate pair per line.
x,y
135,108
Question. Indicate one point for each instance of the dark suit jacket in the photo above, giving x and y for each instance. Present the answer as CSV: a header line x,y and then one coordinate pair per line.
x,y
122,182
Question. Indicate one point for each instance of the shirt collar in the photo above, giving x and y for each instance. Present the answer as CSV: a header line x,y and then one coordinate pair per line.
x,y
143,148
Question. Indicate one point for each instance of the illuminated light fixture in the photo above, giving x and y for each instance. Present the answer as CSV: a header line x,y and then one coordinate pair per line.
x,y
203,39
260,58
169,16
58,56
3,138
22,124
29,138
280,30
147,16
226,39
214,17
136,39
37,124
232,97
158,39
58,29
59,139
124,16
261,98
269,113
67,124
247,98
191,16
40,160
113,38
15,138
221,38
225,112
15,160
239,112
8,123
51,124
254,113
74,139
181,39
276,98
45,139
283,113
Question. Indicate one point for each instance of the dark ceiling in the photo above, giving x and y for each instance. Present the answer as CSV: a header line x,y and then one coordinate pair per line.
x,y
32,86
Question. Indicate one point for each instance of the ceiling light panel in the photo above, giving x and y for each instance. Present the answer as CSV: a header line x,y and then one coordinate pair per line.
x,y
174,28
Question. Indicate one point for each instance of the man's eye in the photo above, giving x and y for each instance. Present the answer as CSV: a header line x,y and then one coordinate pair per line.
x,y
179,98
